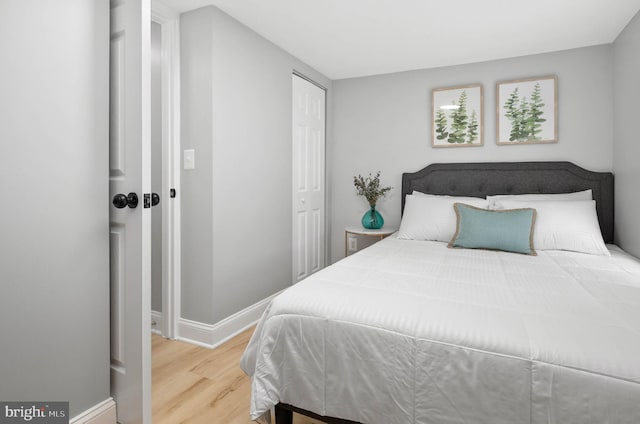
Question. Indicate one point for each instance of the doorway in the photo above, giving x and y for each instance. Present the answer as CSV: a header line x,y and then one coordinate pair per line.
x,y
132,197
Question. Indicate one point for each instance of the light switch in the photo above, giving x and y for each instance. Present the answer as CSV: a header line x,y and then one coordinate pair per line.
x,y
189,159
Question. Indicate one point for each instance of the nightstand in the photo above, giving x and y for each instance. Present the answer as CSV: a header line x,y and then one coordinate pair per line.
x,y
352,234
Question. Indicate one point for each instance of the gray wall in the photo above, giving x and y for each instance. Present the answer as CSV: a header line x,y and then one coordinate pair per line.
x,y
54,231
156,166
236,204
196,34
383,123
626,148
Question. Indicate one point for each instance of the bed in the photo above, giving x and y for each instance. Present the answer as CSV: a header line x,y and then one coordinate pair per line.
x,y
415,332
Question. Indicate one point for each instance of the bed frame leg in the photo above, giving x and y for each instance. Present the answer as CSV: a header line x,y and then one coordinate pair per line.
x,y
283,416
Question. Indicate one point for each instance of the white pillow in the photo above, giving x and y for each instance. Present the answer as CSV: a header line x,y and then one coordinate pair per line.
x,y
578,195
431,217
562,225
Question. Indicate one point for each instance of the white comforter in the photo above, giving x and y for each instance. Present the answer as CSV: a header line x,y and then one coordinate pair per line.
x,y
413,332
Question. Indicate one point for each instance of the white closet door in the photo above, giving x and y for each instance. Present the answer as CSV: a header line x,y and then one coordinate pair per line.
x,y
308,178
130,173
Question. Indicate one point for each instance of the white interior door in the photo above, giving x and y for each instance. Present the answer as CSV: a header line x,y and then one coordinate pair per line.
x,y
308,178
129,144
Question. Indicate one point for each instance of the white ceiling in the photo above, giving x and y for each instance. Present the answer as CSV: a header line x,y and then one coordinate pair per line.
x,y
352,38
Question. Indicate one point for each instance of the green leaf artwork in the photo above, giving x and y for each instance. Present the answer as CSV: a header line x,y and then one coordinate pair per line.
x,y
456,123
472,129
459,120
441,125
525,115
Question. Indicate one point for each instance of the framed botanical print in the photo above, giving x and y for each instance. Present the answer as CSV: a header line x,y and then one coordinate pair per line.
x,y
457,118
527,111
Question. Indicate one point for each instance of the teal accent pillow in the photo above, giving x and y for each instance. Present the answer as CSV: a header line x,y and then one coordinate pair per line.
x,y
508,230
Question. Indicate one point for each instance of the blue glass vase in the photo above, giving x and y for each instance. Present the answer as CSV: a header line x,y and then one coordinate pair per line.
x,y
372,220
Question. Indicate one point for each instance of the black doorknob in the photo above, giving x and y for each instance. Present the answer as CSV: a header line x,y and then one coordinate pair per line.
x,y
120,200
155,199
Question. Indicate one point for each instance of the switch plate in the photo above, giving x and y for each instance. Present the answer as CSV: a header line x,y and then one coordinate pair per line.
x,y
189,159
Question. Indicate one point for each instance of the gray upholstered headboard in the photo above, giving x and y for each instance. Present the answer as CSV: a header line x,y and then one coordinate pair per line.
x,y
490,178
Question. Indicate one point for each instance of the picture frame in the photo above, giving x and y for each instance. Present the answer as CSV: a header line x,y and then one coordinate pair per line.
x,y
527,111
457,116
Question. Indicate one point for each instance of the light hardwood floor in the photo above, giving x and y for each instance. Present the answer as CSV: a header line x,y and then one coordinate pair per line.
x,y
192,384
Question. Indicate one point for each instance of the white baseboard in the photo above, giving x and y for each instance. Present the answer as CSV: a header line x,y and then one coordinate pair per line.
x,y
211,336
158,318
102,413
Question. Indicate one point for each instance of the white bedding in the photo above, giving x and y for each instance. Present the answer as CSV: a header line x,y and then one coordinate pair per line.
x,y
413,332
